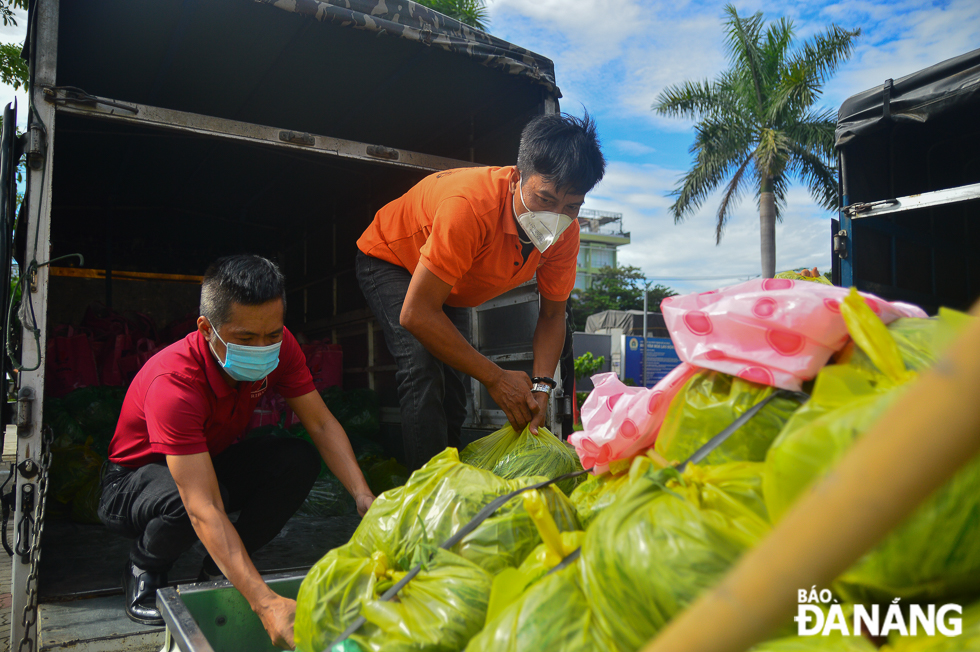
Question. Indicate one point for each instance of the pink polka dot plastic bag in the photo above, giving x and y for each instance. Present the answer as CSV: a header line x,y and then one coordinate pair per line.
x,y
621,421
774,331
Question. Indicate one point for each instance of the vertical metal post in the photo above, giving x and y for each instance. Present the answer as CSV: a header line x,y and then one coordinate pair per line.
x,y
846,262
646,293
45,46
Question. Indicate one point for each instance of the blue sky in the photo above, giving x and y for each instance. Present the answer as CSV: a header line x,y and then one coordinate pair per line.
x,y
615,56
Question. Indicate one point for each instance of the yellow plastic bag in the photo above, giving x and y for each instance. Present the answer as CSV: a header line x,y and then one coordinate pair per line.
x,y
511,455
511,583
441,608
553,614
835,641
401,528
933,554
443,496
709,403
600,491
663,542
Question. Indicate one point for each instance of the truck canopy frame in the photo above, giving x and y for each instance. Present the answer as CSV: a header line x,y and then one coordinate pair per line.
x,y
909,165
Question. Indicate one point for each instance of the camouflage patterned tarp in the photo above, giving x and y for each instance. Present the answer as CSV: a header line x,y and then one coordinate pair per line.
x,y
417,23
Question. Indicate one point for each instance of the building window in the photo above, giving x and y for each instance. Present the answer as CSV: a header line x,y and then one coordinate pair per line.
x,y
583,256
581,281
602,258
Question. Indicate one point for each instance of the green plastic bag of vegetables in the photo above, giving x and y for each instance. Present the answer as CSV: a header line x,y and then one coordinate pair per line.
x,y
667,539
357,410
834,641
968,639
932,554
707,404
75,484
512,455
553,614
444,495
401,528
598,492
439,609
327,497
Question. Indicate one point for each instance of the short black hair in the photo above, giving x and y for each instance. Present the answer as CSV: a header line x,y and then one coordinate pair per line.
x,y
564,150
245,279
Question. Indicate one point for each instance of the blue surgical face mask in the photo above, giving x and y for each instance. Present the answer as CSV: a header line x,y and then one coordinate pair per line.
x,y
247,363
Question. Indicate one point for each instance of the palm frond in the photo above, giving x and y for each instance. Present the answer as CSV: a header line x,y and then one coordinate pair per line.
x,y
811,66
819,177
733,192
720,145
780,185
814,132
743,47
689,99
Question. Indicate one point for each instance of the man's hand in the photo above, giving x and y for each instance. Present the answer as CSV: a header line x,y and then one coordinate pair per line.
x,y
512,392
364,502
277,615
542,400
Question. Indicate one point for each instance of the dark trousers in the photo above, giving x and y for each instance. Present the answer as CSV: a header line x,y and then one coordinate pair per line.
x,y
267,478
432,395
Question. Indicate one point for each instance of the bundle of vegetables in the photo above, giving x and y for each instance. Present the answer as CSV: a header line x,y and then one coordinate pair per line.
x,y
931,555
666,538
709,402
813,275
441,608
552,614
82,424
834,641
512,455
357,410
401,529
531,608
598,492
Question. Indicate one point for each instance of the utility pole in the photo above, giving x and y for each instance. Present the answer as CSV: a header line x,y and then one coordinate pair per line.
x,y
646,293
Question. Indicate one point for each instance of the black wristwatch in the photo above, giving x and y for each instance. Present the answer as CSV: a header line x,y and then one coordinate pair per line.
x,y
550,382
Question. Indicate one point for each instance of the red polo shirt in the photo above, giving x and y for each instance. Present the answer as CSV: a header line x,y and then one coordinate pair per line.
x,y
180,404
459,224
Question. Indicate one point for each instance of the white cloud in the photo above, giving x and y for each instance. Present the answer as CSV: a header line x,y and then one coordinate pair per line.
x,y
687,250
633,147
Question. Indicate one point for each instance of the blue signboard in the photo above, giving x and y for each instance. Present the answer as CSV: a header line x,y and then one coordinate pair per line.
x,y
661,359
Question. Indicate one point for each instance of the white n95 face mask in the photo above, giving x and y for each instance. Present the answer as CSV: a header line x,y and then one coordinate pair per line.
x,y
542,227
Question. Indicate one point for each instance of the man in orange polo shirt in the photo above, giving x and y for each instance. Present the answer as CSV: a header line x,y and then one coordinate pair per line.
x,y
459,238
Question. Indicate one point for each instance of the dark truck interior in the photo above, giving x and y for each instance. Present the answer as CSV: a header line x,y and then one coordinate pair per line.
x,y
144,204
915,135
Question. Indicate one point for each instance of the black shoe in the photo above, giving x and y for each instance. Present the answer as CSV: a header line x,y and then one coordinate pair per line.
x,y
140,587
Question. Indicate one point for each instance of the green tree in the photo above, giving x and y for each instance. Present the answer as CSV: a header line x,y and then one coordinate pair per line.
x,y
656,294
586,365
469,12
757,126
7,10
13,69
616,288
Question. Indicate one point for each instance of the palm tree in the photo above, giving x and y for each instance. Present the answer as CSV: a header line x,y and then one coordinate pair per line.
x,y
757,126
468,12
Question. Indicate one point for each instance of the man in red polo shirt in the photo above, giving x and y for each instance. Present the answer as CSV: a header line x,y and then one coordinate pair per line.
x,y
459,238
178,461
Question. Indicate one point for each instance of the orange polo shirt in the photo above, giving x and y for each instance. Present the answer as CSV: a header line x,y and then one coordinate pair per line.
x,y
460,225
